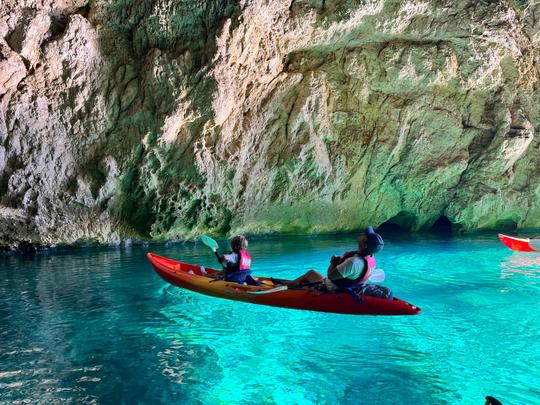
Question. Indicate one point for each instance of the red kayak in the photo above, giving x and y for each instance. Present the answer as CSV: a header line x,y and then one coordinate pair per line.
x,y
195,278
519,244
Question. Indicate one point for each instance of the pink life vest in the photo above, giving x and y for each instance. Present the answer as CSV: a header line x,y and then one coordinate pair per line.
x,y
244,260
371,265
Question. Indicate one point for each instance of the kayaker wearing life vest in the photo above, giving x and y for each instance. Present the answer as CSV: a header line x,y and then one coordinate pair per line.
x,y
350,270
238,262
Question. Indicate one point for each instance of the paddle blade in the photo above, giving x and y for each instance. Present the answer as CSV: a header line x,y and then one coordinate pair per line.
x,y
273,290
377,276
211,243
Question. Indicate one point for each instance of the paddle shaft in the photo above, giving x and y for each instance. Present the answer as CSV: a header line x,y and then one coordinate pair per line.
x,y
218,256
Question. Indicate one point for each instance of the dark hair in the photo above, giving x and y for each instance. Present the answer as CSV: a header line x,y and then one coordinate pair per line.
x,y
493,401
239,242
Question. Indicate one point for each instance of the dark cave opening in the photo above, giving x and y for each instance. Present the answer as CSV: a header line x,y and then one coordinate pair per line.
x,y
443,226
400,224
506,224
390,228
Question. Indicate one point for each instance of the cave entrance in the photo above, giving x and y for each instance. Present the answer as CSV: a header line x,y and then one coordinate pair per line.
x,y
443,226
399,224
506,224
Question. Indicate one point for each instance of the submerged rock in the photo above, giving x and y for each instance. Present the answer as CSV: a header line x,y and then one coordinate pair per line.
x,y
166,120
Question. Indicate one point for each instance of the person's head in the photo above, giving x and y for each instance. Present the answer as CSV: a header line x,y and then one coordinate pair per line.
x,y
239,242
370,242
492,401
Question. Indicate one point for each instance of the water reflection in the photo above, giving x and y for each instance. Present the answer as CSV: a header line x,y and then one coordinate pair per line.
x,y
523,264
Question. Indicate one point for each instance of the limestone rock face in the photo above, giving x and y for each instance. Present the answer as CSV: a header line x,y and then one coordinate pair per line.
x,y
172,118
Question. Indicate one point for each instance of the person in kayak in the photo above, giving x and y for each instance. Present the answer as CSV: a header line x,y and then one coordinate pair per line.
x,y
350,270
238,262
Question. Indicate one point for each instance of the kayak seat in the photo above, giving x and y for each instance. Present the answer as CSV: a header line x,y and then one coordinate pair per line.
x,y
241,277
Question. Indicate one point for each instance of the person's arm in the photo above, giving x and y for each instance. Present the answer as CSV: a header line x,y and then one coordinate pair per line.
x,y
228,258
334,261
337,260
351,268
332,272
222,259
231,258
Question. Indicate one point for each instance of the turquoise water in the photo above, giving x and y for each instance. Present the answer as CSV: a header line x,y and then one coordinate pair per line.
x,y
99,326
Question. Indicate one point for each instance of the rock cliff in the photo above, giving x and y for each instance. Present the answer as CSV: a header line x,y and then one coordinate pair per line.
x,y
167,118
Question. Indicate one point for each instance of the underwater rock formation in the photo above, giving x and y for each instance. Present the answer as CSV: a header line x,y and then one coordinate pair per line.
x,y
165,119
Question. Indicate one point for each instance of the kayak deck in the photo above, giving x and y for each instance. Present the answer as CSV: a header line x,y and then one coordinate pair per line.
x,y
191,277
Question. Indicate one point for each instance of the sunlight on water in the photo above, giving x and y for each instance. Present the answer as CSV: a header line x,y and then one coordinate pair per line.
x,y
98,325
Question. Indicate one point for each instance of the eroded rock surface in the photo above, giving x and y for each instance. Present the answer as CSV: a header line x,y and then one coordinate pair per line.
x,y
164,119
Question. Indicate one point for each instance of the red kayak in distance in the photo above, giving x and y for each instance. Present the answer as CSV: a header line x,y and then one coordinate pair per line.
x,y
520,244
199,279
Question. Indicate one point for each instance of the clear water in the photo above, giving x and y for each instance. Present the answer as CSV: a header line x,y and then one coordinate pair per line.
x,y
99,326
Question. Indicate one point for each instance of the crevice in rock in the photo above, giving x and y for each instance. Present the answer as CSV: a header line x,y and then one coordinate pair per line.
x,y
517,132
13,164
84,11
58,26
291,6
16,37
96,175
26,62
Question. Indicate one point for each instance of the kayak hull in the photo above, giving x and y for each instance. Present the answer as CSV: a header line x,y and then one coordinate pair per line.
x,y
191,277
518,244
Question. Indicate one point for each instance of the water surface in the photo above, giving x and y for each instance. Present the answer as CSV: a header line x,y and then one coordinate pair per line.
x,y
98,326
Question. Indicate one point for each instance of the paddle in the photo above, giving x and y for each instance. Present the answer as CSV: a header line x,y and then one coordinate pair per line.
x,y
377,276
212,244
272,290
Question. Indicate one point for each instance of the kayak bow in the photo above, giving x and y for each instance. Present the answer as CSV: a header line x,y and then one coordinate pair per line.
x,y
198,279
519,244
